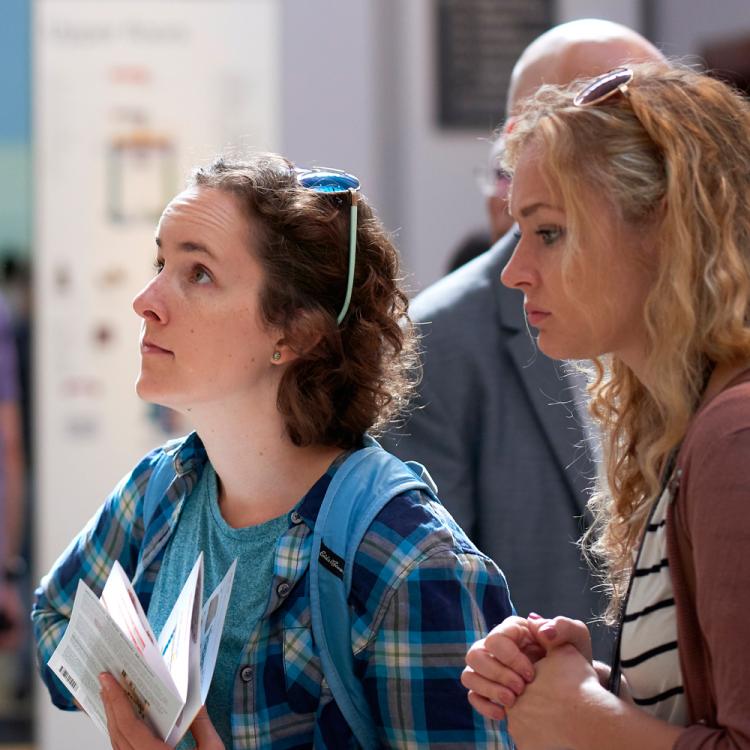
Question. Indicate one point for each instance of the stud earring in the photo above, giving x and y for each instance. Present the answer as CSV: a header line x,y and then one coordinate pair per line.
x,y
276,356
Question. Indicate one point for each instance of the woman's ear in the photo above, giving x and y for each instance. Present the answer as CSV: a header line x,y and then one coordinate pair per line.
x,y
302,335
283,354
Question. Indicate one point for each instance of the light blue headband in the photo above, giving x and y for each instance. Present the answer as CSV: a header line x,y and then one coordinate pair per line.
x,y
335,182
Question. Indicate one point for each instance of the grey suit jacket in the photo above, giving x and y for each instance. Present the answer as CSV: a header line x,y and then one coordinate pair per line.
x,y
496,426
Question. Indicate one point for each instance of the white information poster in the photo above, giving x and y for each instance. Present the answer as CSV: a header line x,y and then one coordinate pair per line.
x,y
128,96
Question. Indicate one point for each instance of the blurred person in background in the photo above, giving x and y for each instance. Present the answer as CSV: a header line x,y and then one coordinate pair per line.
x,y
493,183
12,470
16,662
499,424
496,183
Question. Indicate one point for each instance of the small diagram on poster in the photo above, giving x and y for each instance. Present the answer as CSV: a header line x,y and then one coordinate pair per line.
x,y
141,170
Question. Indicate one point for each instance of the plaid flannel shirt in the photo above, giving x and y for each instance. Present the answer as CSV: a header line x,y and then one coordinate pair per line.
x,y
421,595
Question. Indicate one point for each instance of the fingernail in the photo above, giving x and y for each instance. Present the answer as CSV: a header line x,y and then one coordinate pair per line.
x,y
104,682
535,616
549,632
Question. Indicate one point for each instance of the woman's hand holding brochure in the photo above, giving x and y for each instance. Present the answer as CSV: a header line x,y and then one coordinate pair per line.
x,y
128,732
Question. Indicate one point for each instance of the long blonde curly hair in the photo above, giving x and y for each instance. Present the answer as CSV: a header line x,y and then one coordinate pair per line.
x,y
672,158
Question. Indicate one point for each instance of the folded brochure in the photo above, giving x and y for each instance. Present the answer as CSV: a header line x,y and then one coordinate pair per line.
x,y
167,680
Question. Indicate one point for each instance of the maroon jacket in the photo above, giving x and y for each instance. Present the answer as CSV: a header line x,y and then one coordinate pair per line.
x,y
708,537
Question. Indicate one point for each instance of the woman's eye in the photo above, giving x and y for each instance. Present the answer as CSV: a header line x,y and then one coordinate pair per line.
x,y
550,235
199,275
158,266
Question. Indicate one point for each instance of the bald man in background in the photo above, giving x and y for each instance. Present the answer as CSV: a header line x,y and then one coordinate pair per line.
x,y
499,425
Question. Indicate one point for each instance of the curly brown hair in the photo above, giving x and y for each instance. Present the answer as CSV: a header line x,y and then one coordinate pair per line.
x,y
349,378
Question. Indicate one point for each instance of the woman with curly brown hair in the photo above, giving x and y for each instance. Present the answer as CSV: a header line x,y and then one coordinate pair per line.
x,y
276,323
631,197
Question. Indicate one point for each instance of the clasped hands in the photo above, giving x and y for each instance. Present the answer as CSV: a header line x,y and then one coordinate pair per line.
x,y
534,672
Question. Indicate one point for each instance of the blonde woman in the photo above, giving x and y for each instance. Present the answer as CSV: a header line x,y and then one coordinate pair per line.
x,y
630,192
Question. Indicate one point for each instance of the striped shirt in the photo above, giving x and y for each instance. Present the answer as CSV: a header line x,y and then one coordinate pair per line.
x,y
421,595
648,651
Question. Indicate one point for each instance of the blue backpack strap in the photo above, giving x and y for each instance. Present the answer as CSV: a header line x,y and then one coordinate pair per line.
x,y
366,481
161,477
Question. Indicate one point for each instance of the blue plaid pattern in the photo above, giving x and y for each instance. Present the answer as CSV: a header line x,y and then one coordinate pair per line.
x,y
421,595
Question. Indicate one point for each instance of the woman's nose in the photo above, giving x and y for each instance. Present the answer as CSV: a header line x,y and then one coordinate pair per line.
x,y
519,271
149,302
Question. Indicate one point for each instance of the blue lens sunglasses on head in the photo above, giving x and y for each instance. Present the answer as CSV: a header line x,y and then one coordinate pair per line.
x,y
335,182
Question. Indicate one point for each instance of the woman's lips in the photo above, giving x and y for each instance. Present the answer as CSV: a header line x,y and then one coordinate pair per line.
x,y
148,347
535,316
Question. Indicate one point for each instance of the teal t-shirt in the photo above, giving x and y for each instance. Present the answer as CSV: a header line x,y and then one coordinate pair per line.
x,y
202,528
